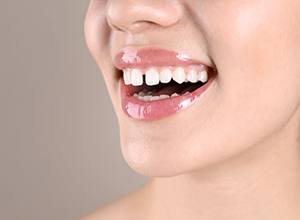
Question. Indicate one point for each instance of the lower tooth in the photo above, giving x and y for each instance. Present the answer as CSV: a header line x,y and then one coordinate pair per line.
x,y
141,93
164,96
147,98
154,98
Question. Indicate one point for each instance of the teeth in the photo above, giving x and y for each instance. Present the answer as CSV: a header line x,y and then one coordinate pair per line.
x,y
127,77
165,75
179,75
154,98
152,77
192,76
146,98
164,96
136,77
203,76
141,93
149,93
143,97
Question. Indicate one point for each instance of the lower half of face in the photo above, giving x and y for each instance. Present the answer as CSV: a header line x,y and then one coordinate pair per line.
x,y
255,47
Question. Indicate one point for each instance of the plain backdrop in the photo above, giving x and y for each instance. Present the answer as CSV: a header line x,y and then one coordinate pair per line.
x,y
60,157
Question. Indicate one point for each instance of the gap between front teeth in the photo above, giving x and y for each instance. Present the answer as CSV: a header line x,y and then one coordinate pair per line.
x,y
154,76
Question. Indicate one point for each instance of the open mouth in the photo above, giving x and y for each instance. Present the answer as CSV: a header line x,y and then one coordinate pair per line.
x,y
158,83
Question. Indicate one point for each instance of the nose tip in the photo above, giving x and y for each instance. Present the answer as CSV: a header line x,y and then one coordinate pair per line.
x,y
138,15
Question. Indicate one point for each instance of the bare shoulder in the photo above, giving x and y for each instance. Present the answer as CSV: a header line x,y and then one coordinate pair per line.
x,y
131,206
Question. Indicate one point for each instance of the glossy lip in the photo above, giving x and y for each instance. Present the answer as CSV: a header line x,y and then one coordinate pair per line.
x,y
153,110
130,57
148,57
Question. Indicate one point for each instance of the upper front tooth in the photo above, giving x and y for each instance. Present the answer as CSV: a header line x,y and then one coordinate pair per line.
x,y
152,77
165,75
136,77
192,76
203,76
127,77
179,75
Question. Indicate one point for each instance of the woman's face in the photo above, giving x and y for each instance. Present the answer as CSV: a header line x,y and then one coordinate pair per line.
x,y
254,47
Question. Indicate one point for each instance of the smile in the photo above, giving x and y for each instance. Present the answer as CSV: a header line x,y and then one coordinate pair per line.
x,y
157,83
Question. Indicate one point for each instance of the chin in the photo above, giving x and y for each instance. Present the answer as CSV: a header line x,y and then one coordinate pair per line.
x,y
150,156
149,164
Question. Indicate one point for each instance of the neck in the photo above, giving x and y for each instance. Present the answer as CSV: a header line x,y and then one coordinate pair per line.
x,y
262,183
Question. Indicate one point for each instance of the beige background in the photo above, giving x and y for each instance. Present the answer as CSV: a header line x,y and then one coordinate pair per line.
x,y
59,148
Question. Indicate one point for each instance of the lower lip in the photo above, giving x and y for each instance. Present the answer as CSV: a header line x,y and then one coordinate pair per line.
x,y
154,110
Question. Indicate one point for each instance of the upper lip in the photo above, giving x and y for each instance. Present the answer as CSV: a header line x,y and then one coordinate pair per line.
x,y
130,57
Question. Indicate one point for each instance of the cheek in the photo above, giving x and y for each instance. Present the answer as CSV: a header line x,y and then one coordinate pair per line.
x,y
253,39
97,35
255,46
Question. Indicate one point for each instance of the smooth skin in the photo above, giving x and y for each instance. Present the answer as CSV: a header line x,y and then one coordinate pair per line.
x,y
234,154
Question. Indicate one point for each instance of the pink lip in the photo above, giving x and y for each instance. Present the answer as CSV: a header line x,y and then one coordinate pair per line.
x,y
141,58
153,110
